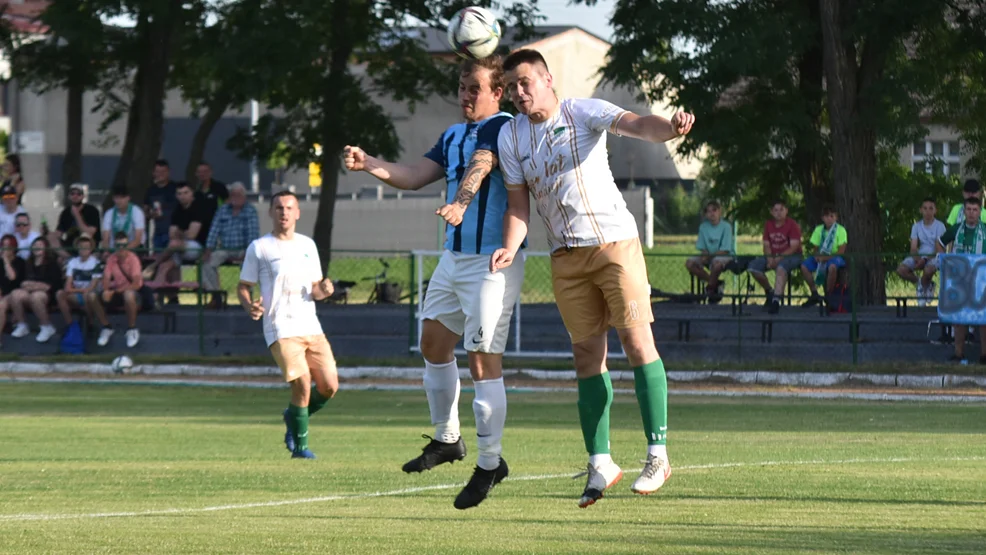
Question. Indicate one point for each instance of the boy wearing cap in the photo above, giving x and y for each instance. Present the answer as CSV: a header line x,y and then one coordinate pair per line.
x,y
122,280
9,209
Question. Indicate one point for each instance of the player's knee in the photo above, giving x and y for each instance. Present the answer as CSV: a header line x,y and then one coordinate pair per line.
x,y
435,351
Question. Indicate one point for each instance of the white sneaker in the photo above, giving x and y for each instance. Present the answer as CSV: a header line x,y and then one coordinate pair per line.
x,y
133,337
599,480
104,336
20,330
656,471
46,333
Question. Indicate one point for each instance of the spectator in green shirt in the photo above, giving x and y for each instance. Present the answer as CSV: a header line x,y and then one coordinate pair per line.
x,y
968,237
715,245
971,189
830,240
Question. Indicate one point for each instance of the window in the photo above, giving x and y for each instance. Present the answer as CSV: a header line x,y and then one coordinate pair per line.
x,y
928,156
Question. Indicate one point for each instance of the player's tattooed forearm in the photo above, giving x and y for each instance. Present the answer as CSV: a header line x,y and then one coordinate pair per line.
x,y
482,163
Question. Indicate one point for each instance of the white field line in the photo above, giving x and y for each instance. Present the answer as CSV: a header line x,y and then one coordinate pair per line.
x,y
673,391
406,491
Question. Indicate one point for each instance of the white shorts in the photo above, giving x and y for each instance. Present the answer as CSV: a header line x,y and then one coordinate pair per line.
x,y
912,262
470,301
192,251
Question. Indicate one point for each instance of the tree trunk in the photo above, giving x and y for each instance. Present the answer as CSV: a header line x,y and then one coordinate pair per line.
x,y
325,219
72,164
808,153
214,112
145,121
853,152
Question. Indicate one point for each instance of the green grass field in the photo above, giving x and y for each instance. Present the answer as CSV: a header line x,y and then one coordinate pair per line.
x,y
137,469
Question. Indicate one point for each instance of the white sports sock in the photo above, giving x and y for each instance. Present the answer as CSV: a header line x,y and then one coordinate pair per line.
x,y
658,450
490,408
441,383
600,460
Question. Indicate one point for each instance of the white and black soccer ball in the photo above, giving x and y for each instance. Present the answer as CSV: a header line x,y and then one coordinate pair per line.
x,y
122,365
473,32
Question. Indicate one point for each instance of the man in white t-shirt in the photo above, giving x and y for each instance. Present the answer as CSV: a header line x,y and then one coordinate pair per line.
x,y
555,150
924,238
126,217
25,235
286,266
80,278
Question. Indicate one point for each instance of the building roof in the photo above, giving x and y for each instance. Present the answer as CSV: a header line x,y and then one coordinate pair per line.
x,y
436,40
22,16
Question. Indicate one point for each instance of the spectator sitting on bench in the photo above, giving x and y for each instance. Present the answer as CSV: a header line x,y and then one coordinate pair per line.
x,y
25,235
80,279
186,240
235,226
968,237
9,210
970,189
42,279
76,218
715,241
122,282
11,275
124,216
924,240
830,241
782,253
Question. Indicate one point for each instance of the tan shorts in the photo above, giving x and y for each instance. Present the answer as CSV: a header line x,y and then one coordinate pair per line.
x,y
602,286
300,356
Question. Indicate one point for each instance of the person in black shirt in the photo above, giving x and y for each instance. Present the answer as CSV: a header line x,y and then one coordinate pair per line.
x,y
42,279
187,236
159,203
11,275
77,218
212,193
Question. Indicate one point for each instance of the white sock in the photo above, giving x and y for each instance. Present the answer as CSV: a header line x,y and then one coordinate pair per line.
x,y
490,408
600,460
441,383
658,450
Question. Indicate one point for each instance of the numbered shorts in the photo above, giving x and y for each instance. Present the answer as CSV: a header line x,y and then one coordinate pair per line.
x,y
470,301
602,286
303,355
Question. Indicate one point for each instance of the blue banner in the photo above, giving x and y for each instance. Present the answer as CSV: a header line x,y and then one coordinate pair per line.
x,y
962,295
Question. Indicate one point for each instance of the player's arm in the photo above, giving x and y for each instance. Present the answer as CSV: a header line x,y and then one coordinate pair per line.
x,y
480,166
515,222
409,177
249,276
653,128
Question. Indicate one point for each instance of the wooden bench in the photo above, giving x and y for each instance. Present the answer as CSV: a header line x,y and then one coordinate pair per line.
x,y
766,326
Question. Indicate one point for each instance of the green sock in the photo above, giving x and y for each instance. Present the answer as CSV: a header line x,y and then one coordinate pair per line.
x,y
299,416
651,384
316,401
595,397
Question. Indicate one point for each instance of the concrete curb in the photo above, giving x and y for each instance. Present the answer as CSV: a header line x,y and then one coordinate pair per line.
x,y
750,377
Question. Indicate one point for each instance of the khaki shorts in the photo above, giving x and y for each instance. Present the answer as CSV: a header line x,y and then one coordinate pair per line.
x,y
300,356
602,286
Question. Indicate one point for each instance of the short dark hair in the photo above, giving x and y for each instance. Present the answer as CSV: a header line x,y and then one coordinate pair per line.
x,y
524,56
120,191
493,63
929,199
182,185
829,209
284,193
24,214
971,186
974,201
713,204
121,235
778,201
203,163
15,160
161,162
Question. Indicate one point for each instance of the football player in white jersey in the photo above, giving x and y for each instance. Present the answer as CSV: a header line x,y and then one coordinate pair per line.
x,y
286,266
555,151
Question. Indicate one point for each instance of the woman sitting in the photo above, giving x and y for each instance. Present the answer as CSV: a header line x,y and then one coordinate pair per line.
x,y
42,278
11,275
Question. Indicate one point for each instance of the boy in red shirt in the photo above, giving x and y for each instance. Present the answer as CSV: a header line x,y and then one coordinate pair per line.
x,y
782,253
122,280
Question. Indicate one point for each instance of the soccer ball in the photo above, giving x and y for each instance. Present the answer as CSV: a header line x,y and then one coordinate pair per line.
x,y
122,364
473,32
